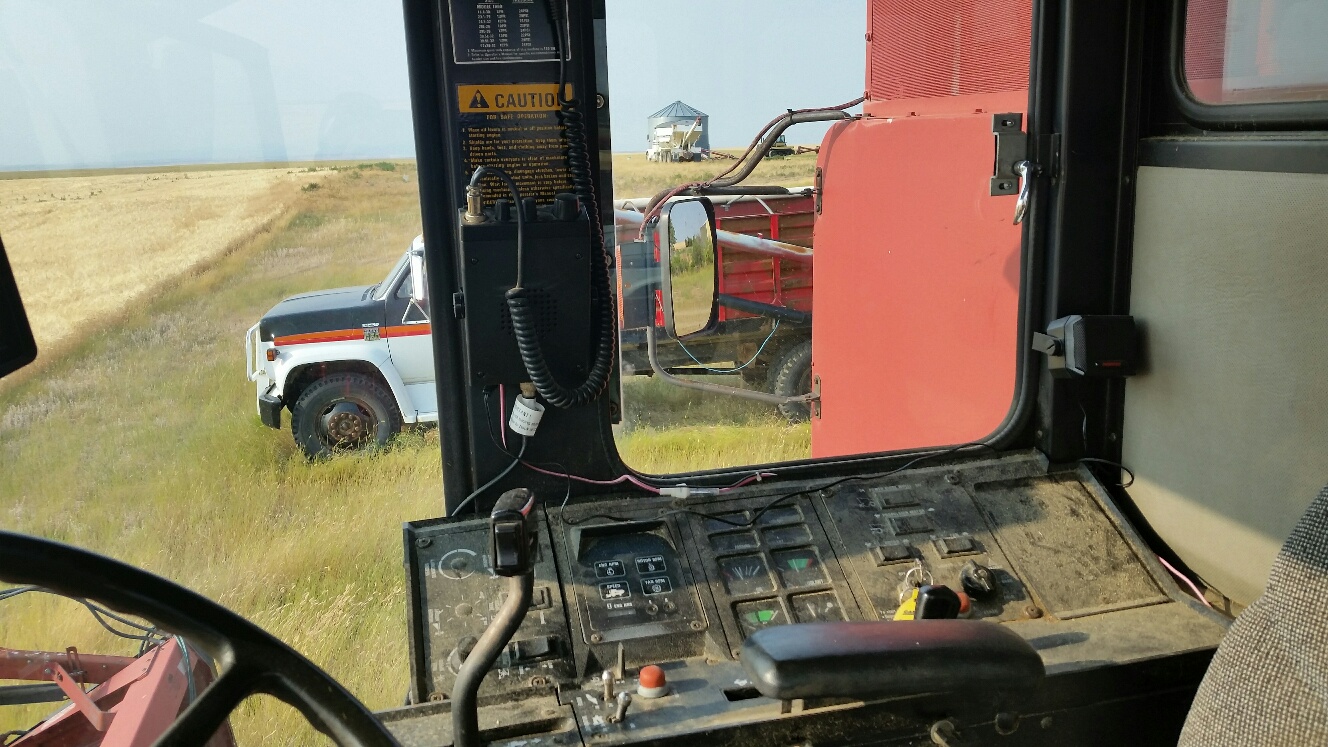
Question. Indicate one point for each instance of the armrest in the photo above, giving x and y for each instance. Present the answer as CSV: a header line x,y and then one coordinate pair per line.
x,y
882,659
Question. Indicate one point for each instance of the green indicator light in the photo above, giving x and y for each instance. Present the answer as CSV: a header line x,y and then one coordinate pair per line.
x,y
798,564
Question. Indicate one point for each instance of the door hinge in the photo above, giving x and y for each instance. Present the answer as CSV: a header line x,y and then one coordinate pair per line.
x,y
459,305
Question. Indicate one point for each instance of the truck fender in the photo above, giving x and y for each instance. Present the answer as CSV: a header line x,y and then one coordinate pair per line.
x,y
292,358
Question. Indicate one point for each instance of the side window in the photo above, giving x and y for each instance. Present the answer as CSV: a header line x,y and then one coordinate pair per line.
x,y
403,288
854,312
1256,51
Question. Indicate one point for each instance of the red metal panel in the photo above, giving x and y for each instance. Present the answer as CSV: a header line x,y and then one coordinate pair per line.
x,y
945,55
914,332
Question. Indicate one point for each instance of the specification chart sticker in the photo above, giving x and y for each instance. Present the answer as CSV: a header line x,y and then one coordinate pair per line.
x,y
515,127
502,31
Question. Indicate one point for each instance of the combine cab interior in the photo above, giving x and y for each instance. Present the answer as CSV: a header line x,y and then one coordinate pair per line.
x,y
1068,410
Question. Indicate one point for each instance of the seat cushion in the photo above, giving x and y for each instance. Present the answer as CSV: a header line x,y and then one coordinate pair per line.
x,y
1268,682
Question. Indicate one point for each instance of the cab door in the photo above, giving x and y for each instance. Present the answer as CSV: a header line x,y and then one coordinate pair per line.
x,y
918,347
411,346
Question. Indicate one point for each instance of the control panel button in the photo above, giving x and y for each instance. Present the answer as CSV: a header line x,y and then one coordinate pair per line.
x,y
781,515
615,590
956,546
610,569
651,564
892,554
911,524
796,534
658,585
733,542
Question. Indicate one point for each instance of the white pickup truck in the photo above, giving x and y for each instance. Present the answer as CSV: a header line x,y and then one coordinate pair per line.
x,y
351,364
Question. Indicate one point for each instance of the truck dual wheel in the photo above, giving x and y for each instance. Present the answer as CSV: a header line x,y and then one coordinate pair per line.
x,y
791,375
344,412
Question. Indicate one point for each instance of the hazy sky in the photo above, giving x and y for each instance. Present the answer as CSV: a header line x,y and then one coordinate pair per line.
x,y
97,83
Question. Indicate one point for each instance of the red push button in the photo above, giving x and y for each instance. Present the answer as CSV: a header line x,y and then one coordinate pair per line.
x,y
652,683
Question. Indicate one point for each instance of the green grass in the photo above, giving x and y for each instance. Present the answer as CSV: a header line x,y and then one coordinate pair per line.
x,y
669,429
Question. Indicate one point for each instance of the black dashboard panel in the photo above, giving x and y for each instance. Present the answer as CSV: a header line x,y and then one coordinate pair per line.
x,y
621,584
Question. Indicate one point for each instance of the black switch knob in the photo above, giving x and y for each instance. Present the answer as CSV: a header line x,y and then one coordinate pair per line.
x,y
502,210
566,207
937,603
512,534
529,210
978,580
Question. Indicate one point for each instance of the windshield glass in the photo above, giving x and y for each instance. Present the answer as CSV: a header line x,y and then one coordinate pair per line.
x,y
194,195
385,285
171,175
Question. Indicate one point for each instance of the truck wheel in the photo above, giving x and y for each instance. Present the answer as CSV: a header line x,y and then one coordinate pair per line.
x,y
791,375
344,412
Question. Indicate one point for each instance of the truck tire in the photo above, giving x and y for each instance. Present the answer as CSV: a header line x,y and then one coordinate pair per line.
x,y
791,375
344,412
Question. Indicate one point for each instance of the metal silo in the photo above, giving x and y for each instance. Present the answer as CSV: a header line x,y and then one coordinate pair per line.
x,y
679,118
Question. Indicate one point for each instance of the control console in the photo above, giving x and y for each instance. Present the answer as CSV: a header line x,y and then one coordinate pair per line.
x,y
641,605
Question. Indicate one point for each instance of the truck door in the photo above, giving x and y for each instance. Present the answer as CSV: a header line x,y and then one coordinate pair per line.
x,y
411,347
923,349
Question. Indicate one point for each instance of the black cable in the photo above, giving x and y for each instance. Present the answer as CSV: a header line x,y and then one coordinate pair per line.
x,y
150,634
519,302
475,178
1108,462
457,511
781,499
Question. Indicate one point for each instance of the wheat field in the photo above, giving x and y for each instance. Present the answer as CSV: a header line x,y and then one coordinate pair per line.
x,y
137,437
86,247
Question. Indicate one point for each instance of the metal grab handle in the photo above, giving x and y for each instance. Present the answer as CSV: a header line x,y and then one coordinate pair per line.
x,y
1026,171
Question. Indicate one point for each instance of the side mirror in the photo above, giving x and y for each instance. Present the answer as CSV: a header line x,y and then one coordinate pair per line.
x,y
419,282
685,237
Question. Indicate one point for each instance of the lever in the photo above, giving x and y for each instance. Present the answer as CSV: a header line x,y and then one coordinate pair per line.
x,y
1026,171
620,713
512,537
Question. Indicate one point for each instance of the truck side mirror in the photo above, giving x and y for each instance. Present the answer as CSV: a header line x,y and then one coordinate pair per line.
x,y
419,283
685,237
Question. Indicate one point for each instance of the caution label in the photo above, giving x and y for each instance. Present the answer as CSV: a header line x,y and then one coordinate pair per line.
x,y
515,127
511,97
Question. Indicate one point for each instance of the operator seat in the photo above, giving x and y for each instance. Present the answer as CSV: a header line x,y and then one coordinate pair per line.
x,y
1268,681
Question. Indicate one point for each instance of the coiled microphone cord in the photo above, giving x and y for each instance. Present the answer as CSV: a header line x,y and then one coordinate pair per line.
x,y
519,302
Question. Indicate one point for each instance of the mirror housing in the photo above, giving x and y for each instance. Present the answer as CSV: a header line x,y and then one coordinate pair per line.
x,y
419,281
688,258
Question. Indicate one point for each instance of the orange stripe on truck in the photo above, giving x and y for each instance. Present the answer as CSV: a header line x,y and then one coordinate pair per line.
x,y
348,335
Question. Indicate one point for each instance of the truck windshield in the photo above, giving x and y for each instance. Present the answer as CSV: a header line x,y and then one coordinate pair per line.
x,y
384,287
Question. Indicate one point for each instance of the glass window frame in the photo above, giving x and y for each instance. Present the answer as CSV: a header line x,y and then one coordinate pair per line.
x,y
1252,116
